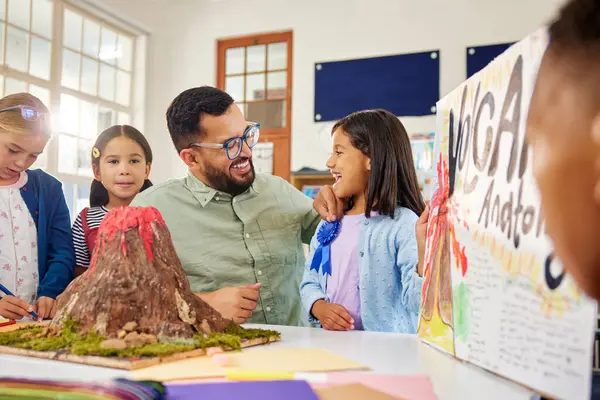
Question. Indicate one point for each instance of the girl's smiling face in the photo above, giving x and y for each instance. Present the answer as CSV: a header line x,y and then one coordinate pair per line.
x,y
122,169
350,167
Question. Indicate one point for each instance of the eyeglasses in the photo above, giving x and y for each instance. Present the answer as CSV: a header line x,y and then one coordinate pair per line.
x,y
28,113
233,146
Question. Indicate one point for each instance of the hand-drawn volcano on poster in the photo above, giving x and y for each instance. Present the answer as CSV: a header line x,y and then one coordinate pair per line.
x,y
513,309
436,320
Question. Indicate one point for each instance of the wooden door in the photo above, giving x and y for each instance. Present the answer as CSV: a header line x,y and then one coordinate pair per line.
x,y
256,71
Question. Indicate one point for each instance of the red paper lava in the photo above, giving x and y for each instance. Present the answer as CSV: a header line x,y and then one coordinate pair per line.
x,y
439,221
123,219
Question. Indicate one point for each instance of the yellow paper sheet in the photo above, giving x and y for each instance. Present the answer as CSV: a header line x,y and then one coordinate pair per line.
x,y
276,360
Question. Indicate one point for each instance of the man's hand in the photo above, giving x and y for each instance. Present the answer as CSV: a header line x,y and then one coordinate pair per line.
x,y
328,205
235,303
14,308
333,317
421,233
46,307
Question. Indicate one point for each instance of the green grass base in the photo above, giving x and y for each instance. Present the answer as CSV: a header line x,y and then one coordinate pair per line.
x,y
89,343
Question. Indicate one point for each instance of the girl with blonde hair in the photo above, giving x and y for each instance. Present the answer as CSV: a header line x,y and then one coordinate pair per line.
x,y
36,248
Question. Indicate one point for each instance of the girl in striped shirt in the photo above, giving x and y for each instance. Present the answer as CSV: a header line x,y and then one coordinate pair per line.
x,y
121,160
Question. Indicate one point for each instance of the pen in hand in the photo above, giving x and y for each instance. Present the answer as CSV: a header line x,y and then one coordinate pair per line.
x,y
9,293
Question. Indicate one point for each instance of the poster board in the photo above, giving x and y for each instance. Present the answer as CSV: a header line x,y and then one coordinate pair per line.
x,y
514,311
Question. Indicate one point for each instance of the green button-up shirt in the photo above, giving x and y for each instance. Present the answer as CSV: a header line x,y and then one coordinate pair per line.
x,y
231,241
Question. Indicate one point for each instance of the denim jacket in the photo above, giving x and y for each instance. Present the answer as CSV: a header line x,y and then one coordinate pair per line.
x,y
390,288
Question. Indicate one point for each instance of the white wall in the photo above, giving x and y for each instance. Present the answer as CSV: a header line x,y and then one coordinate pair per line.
x,y
182,49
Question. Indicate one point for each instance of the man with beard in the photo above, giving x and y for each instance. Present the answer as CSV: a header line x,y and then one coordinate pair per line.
x,y
239,235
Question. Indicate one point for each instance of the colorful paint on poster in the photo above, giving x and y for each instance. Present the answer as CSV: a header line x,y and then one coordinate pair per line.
x,y
514,310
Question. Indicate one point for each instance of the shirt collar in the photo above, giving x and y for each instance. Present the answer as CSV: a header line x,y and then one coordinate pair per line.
x,y
205,194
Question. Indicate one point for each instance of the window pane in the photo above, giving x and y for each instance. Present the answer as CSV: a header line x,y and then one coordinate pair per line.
x,y
234,61
69,114
83,197
68,190
107,82
108,47
16,49
1,40
123,87
234,85
40,162
270,114
124,119
41,93
70,70
257,56
88,123
105,119
91,38
125,52
41,19
89,75
255,87
277,56
3,10
67,154
84,163
72,30
39,62
242,107
276,85
18,13
12,86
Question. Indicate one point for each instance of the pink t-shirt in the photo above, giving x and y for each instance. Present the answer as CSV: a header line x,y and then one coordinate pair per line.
x,y
342,285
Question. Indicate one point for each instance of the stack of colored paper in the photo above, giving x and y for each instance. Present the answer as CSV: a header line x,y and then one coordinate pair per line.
x,y
119,389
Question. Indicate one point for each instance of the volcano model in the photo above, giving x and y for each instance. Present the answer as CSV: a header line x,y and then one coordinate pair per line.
x,y
134,301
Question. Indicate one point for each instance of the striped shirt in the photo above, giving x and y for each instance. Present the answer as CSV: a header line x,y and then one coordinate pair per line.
x,y
95,216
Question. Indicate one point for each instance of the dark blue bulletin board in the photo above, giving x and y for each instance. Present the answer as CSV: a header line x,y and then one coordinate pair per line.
x,y
478,57
406,85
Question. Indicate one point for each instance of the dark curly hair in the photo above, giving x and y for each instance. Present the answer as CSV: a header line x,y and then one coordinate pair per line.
x,y
577,28
575,46
185,113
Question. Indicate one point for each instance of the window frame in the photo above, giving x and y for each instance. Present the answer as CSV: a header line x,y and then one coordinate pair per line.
x,y
54,85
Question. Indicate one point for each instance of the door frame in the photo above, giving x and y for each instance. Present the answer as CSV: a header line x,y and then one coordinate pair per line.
x,y
260,39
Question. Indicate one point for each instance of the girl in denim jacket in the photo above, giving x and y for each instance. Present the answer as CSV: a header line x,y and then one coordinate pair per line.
x,y
363,271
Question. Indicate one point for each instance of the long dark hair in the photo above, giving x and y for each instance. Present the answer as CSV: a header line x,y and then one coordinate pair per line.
x,y
98,193
379,135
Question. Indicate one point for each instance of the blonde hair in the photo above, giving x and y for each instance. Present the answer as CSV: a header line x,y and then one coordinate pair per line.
x,y
12,121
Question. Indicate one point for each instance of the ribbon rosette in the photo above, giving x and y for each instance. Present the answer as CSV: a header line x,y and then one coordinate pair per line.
x,y
327,233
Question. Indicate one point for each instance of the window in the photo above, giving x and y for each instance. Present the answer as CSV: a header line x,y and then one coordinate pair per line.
x,y
96,92
25,56
81,67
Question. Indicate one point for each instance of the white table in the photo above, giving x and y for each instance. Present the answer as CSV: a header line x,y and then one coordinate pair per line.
x,y
382,352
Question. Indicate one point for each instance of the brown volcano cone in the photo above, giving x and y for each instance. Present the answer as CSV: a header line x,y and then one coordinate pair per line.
x,y
136,276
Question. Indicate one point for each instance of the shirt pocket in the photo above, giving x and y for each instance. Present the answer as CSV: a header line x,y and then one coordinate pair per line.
x,y
281,233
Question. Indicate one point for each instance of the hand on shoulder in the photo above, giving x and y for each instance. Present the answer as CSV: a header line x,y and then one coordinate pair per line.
x,y
328,205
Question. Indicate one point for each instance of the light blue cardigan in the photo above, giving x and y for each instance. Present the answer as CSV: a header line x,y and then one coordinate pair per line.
x,y
390,289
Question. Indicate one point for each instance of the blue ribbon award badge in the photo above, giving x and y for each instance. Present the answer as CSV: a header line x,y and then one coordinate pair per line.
x,y
322,258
